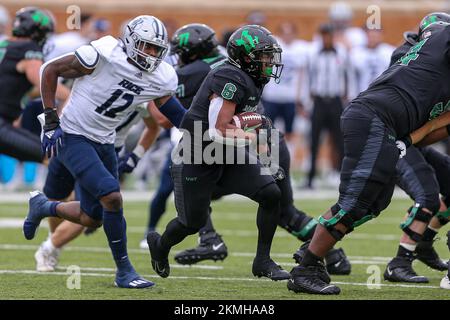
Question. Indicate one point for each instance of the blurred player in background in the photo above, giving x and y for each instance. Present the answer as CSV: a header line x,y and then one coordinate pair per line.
x,y
4,23
20,59
368,61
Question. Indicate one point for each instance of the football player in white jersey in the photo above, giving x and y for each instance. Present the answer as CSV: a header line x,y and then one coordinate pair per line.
x,y
63,232
112,77
369,61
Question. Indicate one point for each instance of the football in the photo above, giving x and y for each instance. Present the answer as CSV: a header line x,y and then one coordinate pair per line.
x,y
247,120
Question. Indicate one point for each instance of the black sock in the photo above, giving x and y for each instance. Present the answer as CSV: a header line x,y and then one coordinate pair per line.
x,y
310,259
174,234
208,226
405,253
429,235
266,221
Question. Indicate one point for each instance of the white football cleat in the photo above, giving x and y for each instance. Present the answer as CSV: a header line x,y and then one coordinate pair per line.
x,y
143,244
445,282
46,260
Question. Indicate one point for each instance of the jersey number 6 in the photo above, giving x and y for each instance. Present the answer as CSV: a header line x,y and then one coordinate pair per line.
x,y
106,110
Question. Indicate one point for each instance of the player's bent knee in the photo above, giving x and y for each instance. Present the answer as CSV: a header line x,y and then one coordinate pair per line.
x,y
416,213
112,201
269,195
349,219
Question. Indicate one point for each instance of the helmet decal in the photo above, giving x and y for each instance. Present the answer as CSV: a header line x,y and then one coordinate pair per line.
x,y
40,17
184,38
248,41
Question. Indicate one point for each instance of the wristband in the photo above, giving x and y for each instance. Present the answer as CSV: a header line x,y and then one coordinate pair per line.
x,y
51,119
139,151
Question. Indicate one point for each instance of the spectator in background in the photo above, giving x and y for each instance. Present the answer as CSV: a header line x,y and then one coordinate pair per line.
x,y
70,41
328,66
341,16
369,61
256,17
280,100
102,27
4,23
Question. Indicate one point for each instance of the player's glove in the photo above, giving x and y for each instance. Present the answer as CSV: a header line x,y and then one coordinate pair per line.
x,y
402,145
129,161
279,175
52,137
266,135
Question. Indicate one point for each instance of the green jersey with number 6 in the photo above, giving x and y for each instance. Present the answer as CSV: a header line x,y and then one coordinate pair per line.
x,y
229,83
416,88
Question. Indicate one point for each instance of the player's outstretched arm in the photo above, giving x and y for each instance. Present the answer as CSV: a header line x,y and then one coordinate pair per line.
x,y
171,108
434,130
67,66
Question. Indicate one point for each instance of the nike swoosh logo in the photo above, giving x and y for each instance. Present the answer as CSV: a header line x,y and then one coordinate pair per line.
x,y
337,264
247,128
215,248
158,268
389,271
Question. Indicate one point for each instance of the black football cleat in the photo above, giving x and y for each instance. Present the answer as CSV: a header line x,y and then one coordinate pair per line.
x,y
337,262
426,254
160,261
312,280
269,269
210,247
400,269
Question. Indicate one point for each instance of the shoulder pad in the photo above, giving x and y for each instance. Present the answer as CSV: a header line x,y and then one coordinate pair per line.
x,y
169,76
88,56
105,45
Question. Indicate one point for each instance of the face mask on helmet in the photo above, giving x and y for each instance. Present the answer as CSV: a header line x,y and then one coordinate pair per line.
x,y
269,62
145,40
148,55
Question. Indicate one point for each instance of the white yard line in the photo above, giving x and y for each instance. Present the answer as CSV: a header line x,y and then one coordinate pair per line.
x,y
131,196
90,274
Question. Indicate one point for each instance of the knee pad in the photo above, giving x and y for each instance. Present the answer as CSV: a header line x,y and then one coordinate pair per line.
x,y
443,217
415,213
269,195
430,202
297,223
350,220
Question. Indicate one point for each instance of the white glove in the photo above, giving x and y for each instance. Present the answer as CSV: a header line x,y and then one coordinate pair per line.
x,y
401,146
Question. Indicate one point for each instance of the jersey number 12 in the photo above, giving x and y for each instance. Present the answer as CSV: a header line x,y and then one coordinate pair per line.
x,y
106,110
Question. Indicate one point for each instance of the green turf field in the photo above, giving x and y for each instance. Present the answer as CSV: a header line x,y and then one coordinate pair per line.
x,y
371,245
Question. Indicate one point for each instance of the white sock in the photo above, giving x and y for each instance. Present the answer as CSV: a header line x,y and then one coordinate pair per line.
x,y
48,245
407,246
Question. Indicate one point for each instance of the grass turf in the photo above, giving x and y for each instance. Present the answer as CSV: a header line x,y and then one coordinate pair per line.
x,y
370,246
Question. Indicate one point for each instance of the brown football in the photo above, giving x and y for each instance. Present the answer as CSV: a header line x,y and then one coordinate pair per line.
x,y
247,120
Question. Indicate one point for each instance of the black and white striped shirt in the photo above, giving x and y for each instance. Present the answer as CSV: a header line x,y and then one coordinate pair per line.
x,y
328,70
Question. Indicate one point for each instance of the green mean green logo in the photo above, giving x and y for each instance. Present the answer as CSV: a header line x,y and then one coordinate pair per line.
x,y
247,40
40,17
429,21
184,38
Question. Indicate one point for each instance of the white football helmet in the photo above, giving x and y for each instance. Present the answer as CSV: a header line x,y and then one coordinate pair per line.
x,y
141,32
